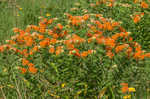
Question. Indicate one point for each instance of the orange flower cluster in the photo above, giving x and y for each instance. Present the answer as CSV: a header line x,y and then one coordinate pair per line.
x,y
125,88
58,39
137,17
31,67
144,4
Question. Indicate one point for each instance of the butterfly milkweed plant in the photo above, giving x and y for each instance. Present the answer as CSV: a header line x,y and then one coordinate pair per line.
x,y
89,55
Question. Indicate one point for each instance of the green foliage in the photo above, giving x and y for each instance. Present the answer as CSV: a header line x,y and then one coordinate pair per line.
x,y
66,76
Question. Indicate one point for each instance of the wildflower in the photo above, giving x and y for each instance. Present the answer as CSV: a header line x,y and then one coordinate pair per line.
x,y
23,70
58,51
43,43
40,37
53,41
115,36
1,48
24,61
91,51
75,52
101,40
35,27
110,42
33,70
124,87
20,8
35,48
144,4
84,54
70,46
55,36
79,92
63,85
51,50
60,26
120,48
131,89
30,65
127,97
50,21
47,14
85,17
50,32
109,54
136,18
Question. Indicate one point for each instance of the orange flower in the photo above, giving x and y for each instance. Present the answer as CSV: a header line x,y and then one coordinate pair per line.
x,y
42,30
85,17
101,40
53,41
90,51
63,34
75,52
84,54
50,21
35,27
28,40
109,54
28,29
55,36
60,26
144,4
115,24
58,51
25,61
115,36
40,37
1,48
35,48
137,54
124,88
32,70
23,70
31,53
44,43
70,46
120,48
52,50
50,32
110,42
136,18
30,65
130,39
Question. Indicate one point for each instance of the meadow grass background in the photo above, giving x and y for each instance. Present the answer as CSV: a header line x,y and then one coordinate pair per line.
x,y
20,13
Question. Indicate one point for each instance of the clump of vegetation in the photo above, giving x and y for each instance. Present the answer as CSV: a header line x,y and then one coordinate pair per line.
x,y
91,54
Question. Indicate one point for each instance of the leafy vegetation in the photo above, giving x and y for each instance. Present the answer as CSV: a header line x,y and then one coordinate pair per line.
x,y
62,49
